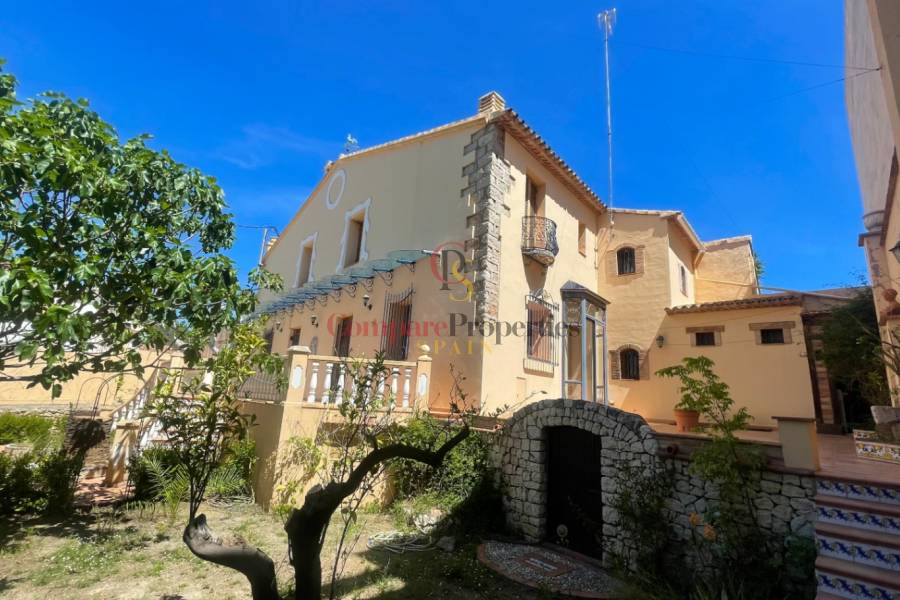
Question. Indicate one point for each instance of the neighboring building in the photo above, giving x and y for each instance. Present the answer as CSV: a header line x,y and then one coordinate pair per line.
x,y
107,389
672,295
873,104
589,302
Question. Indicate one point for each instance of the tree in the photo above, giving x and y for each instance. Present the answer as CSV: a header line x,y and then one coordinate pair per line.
x,y
105,247
199,422
854,351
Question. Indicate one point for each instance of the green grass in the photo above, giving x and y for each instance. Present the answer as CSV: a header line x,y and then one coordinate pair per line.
x,y
127,553
85,560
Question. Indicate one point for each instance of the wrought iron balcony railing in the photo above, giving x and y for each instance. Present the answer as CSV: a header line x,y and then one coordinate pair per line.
x,y
539,239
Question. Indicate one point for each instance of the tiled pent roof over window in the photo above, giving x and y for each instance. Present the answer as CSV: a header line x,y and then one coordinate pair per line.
x,y
764,301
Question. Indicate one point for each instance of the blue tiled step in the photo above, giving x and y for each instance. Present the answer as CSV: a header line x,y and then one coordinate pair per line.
x,y
858,490
845,579
872,516
865,547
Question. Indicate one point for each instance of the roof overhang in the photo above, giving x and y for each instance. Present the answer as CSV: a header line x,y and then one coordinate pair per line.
x,y
515,126
765,301
571,289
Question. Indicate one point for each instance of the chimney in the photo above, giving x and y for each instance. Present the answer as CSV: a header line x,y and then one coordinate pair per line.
x,y
491,102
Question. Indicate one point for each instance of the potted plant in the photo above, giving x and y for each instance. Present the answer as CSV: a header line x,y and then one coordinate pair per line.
x,y
686,418
700,390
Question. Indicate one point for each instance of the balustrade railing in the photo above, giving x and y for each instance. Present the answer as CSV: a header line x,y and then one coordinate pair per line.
x,y
330,377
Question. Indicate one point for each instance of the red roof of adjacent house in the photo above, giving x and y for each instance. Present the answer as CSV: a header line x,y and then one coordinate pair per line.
x,y
764,301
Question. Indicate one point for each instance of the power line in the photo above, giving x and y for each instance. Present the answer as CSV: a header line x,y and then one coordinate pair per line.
x,y
749,58
272,227
821,85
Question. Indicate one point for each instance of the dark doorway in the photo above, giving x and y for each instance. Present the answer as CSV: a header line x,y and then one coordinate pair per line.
x,y
574,503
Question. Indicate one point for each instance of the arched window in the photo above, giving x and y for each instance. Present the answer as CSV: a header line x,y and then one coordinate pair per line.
x,y
630,363
626,261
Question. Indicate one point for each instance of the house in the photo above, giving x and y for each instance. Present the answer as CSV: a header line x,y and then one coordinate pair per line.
x,y
476,240
873,106
673,295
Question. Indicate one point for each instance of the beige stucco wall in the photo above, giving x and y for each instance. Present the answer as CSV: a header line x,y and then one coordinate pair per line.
x,y
114,388
413,191
432,310
872,38
770,380
637,302
867,109
507,381
891,237
681,253
637,317
726,271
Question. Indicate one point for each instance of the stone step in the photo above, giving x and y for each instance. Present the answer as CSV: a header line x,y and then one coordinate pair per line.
x,y
93,470
846,579
872,548
873,516
857,489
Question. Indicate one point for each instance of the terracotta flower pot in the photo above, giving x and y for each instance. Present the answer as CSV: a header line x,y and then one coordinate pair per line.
x,y
686,420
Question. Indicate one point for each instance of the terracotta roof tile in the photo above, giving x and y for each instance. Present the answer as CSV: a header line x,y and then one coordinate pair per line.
x,y
534,143
764,301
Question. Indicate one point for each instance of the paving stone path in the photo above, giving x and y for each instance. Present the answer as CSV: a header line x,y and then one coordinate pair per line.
x,y
545,568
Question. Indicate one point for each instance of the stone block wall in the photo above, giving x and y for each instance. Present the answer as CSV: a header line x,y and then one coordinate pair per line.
x,y
520,457
783,502
487,179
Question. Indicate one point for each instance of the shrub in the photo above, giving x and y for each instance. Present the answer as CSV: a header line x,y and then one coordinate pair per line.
x,y
157,475
463,486
240,457
37,482
641,503
463,469
142,483
728,554
16,428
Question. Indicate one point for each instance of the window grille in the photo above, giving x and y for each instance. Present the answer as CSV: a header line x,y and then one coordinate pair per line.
x,y
705,338
395,326
342,337
771,336
630,364
626,262
540,331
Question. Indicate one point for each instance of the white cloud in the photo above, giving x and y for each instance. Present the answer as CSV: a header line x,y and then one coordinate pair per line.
x,y
263,144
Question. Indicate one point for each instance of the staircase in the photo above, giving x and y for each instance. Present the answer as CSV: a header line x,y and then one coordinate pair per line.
x,y
858,534
97,457
96,460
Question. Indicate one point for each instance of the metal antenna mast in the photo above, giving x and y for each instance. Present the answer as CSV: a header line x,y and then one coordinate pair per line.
x,y
606,20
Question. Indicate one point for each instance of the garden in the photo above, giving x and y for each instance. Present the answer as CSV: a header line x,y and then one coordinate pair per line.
x,y
135,549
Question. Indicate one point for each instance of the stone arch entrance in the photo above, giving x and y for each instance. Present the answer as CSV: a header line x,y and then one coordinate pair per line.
x,y
523,448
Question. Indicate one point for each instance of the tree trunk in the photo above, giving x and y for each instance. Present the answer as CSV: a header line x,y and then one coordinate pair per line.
x,y
306,525
255,564
305,528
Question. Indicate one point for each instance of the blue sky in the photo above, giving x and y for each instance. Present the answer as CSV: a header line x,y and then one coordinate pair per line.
x,y
262,94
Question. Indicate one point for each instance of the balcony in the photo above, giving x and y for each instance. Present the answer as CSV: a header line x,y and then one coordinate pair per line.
x,y
318,380
539,239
